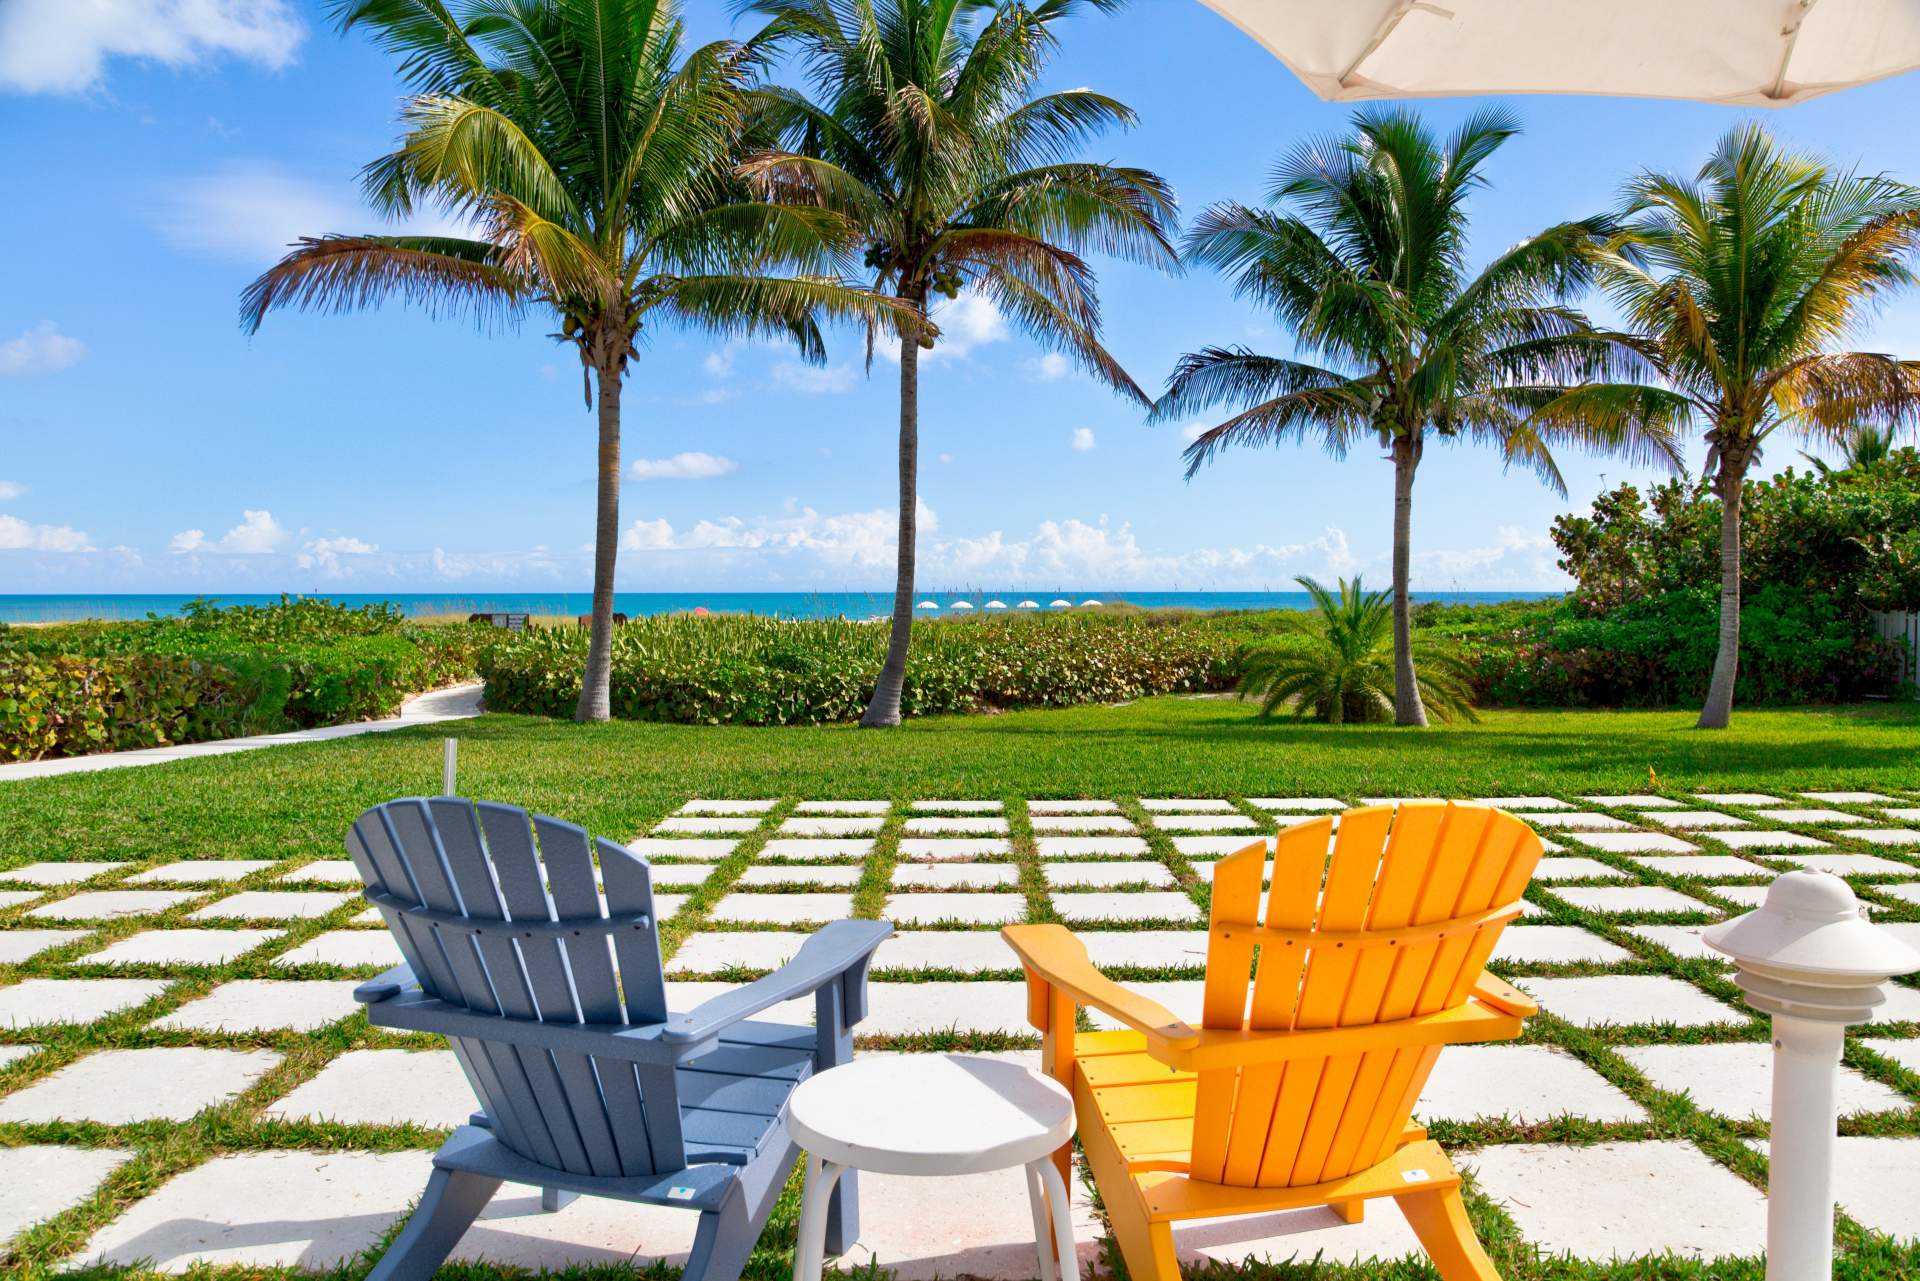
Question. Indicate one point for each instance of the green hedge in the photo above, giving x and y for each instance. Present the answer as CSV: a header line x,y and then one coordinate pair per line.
x,y
217,673
757,671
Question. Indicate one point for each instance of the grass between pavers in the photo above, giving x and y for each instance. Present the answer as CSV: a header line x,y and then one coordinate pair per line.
x,y
294,805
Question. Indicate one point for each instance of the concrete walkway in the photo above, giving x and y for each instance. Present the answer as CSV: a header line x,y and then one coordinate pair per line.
x,y
456,702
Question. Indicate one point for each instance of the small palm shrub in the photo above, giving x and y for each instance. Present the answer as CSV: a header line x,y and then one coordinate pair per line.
x,y
1335,662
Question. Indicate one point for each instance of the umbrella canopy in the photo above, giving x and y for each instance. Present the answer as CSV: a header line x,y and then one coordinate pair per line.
x,y
1762,53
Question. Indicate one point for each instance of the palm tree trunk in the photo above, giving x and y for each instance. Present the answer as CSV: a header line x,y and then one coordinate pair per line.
x,y
884,710
1718,712
1407,707
596,702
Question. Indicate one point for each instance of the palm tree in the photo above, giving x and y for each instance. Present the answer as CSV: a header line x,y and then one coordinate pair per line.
x,y
1366,262
923,132
1743,282
595,160
1863,447
1338,664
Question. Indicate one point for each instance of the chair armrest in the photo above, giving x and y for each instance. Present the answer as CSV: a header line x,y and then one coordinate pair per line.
x,y
841,946
386,986
1504,997
1053,955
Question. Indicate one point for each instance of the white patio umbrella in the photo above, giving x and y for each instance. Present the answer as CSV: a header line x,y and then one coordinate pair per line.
x,y
1060,604
1760,53
962,604
996,604
1029,604
927,604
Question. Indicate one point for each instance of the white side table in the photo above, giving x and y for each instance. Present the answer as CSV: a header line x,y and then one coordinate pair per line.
x,y
934,1114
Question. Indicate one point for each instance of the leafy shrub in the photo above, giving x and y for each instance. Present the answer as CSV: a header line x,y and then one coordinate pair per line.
x,y
760,671
217,672
1657,650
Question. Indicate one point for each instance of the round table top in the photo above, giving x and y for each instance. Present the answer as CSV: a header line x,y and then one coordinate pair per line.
x,y
931,1114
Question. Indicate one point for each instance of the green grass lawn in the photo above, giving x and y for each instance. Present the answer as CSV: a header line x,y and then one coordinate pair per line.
x,y
617,777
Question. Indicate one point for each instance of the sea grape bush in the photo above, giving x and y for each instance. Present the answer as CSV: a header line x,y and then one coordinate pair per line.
x,y
759,671
216,673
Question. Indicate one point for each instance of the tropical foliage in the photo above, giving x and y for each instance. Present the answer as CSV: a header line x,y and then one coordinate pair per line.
x,y
1365,261
593,156
925,131
1744,282
1336,662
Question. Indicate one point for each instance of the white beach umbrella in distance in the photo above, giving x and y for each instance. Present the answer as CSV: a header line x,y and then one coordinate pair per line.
x,y
1755,53
1085,603
1060,604
1029,604
961,604
996,604
927,604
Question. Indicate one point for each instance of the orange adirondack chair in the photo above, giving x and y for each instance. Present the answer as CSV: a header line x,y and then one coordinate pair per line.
x,y
1370,960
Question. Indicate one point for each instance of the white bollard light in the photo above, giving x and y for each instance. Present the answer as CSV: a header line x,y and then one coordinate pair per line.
x,y
1810,958
449,767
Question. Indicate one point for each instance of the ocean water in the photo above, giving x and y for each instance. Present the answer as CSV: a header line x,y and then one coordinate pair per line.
x,y
43,609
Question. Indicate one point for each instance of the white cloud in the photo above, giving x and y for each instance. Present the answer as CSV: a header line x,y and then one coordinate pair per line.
x,y
17,535
1193,431
687,466
803,545
62,46
853,540
41,350
253,212
324,554
1083,439
946,458
1515,560
813,380
1050,368
257,534
11,489
966,322
720,363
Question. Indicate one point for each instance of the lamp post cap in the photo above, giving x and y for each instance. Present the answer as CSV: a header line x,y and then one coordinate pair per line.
x,y
1811,925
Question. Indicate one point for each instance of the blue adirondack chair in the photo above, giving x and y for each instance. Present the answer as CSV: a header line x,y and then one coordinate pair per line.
x,y
557,1012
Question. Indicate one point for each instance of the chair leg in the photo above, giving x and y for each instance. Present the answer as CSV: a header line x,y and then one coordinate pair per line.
x,y
452,1201
722,1242
1146,1246
843,1213
552,1199
1350,1211
1440,1220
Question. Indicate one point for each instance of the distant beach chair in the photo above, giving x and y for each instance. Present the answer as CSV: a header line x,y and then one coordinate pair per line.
x,y
557,1012
511,622
1303,1095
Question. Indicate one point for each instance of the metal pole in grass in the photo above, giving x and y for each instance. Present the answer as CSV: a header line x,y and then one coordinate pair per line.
x,y
1809,958
449,767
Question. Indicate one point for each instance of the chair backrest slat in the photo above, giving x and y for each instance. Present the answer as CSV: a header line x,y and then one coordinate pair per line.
x,y
1389,875
629,884
578,1112
1299,866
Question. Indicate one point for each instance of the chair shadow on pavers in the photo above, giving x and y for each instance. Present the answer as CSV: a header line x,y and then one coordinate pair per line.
x,y
557,1012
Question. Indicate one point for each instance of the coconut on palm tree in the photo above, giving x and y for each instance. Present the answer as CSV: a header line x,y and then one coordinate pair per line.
x,y
925,130
1744,282
1365,260
594,157
1337,662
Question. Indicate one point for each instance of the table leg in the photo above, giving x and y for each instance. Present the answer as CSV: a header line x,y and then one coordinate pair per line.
x,y
809,1251
1048,1175
1042,1226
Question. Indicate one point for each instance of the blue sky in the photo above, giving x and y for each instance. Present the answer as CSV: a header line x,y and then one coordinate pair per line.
x,y
160,153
